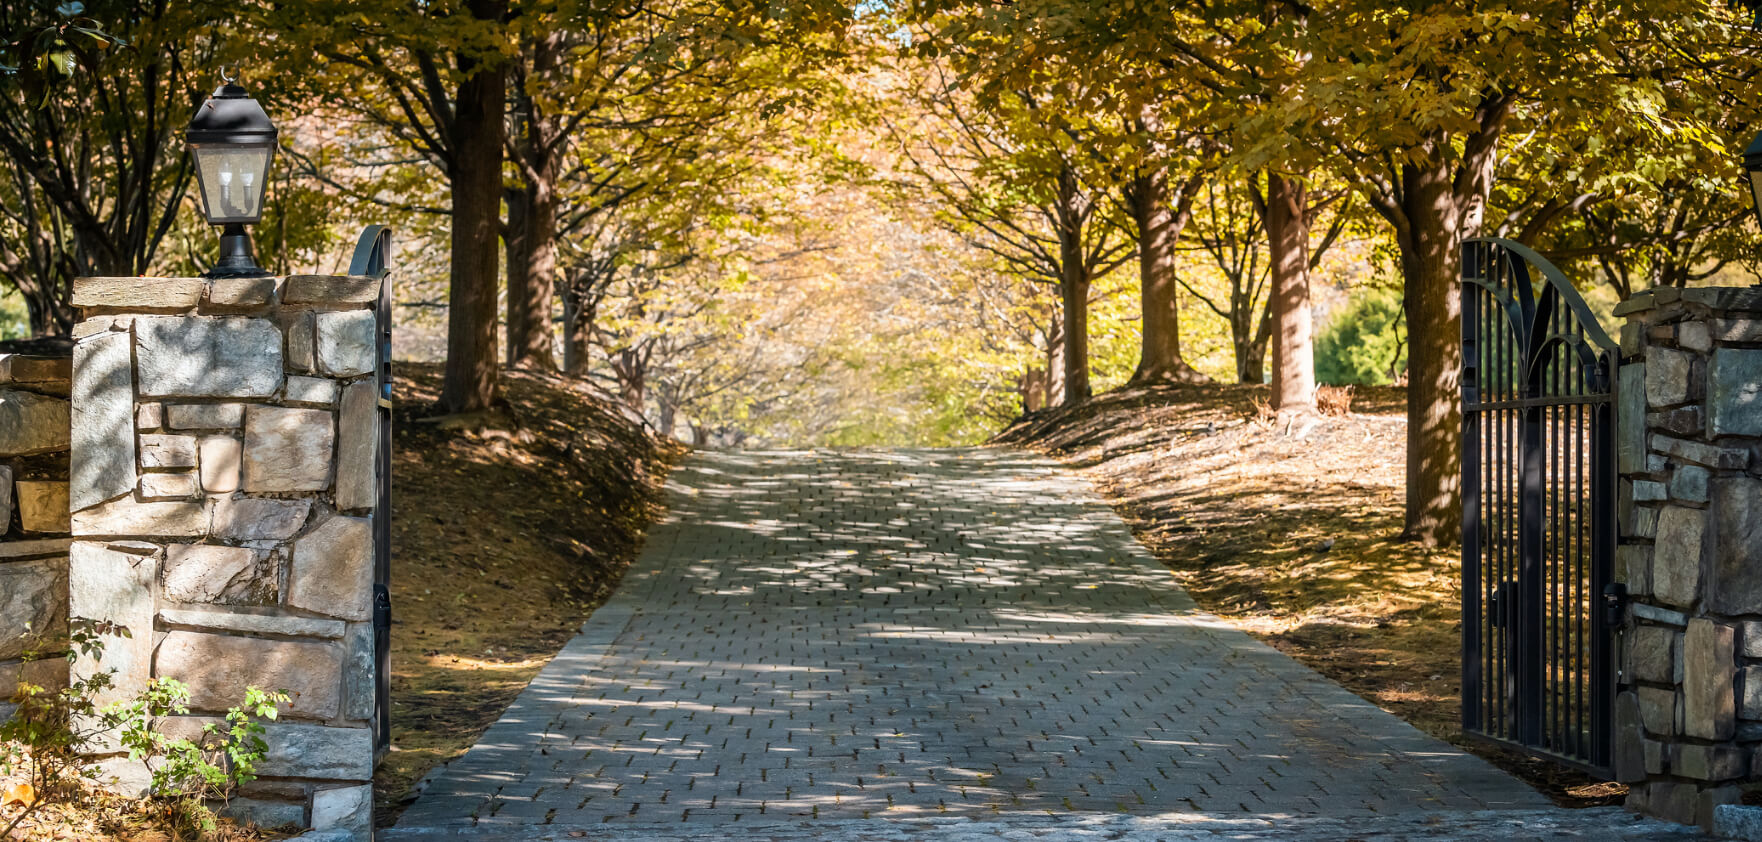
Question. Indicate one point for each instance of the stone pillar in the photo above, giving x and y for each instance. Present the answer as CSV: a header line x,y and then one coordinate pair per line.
x,y
222,513
33,518
1689,713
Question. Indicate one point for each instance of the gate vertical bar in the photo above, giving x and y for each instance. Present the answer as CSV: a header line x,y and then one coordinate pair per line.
x,y
1472,612
1603,540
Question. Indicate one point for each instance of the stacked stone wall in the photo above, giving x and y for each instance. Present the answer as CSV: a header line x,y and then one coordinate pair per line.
x,y
222,500
1689,452
34,430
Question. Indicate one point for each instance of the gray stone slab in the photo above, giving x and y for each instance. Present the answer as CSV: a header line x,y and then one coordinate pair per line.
x,y
207,357
103,440
1734,386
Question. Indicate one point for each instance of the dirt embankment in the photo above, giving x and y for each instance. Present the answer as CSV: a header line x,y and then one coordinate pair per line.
x,y
1289,529
506,533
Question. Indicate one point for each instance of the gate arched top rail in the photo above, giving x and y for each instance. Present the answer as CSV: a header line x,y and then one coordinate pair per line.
x,y
1477,257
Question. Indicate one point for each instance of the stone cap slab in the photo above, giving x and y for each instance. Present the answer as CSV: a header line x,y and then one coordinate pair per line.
x,y
159,295
1741,299
330,289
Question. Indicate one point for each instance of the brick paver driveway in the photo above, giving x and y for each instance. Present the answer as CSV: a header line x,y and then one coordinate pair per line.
x,y
835,636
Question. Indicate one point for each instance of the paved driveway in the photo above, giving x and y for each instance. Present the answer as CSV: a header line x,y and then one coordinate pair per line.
x,y
833,636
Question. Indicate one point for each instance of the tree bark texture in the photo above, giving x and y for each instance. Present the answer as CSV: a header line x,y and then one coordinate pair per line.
x,y
532,248
1287,231
1159,226
478,133
1430,264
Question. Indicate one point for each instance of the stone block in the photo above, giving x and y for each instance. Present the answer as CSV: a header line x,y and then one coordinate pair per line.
x,y
1709,763
288,449
313,390
102,324
35,370
34,548
331,289
5,500
131,778
151,294
1709,673
257,624
1689,484
128,518
1653,652
207,357
358,685
1750,694
1657,710
47,673
348,808
32,423
1736,330
219,667
1629,745
1713,799
348,343
332,571
42,506
265,813
1669,800
1668,374
302,344
358,444
1654,752
317,751
33,607
1682,421
222,462
1645,525
240,292
1633,566
1676,561
109,586
206,416
1752,638
1702,454
178,486
208,573
1630,428
1648,491
165,450
1734,400
1735,821
1735,546
256,519
1694,336
149,416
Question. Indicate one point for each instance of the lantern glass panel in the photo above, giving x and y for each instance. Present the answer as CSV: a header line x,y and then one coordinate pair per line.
x,y
232,178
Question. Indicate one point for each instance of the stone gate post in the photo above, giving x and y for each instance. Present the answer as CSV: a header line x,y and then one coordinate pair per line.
x,y
1689,714
222,496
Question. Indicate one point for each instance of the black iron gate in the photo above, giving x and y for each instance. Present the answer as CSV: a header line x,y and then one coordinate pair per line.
x,y
373,259
1538,509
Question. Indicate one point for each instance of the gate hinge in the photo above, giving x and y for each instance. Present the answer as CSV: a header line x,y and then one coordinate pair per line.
x,y
1614,604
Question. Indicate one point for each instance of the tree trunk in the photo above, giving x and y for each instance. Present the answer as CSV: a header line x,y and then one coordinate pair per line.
x,y
1055,367
1033,390
1159,226
577,330
632,372
1430,264
1288,240
1073,293
532,284
470,382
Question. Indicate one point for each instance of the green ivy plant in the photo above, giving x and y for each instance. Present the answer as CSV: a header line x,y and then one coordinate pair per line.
x,y
52,733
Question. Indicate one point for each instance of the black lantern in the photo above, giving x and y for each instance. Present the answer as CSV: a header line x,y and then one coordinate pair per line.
x,y
233,143
1753,170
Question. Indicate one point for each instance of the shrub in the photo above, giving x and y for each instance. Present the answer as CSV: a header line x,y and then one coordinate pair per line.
x,y
1365,343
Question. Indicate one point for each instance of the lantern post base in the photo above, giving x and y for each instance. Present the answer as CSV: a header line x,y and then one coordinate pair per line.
x,y
235,255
